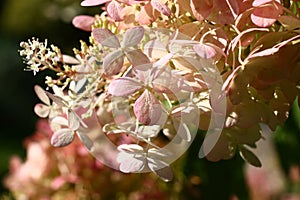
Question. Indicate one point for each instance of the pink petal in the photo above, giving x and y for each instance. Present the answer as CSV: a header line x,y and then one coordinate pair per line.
x,y
147,15
161,7
40,92
133,36
204,51
62,137
113,62
83,22
201,9
114,9
124,86
93,2
106,37
257,3
138,59
41,110
147,109
266,15
58,182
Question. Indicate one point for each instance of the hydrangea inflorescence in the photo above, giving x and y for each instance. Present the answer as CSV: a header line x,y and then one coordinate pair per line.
x,y
159,70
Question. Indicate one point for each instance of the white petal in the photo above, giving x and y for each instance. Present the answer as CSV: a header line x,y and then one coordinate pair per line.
x,y
40,92
60,121
70,60
73,120
159,154
41,110
128,163
131,148
58,91
62,137
149,131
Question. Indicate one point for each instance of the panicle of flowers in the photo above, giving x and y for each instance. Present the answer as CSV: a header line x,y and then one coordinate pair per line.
x,y
153,67
38,56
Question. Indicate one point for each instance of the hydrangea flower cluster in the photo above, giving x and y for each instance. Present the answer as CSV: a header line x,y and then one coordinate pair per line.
x,y
156,71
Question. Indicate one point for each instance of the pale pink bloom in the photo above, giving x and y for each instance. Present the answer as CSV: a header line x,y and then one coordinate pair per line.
x,y
113,62
47,109
133,158
69,127
147,108
23,175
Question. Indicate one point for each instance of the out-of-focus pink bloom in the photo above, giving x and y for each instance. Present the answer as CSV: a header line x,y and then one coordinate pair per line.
x,y
70,172
267,181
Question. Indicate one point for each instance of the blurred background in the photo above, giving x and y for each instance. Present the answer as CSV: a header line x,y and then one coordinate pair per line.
x,y
51,19
19,21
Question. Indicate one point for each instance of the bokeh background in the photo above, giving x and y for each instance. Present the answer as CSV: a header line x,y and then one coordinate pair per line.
x,y
51,19
19,21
